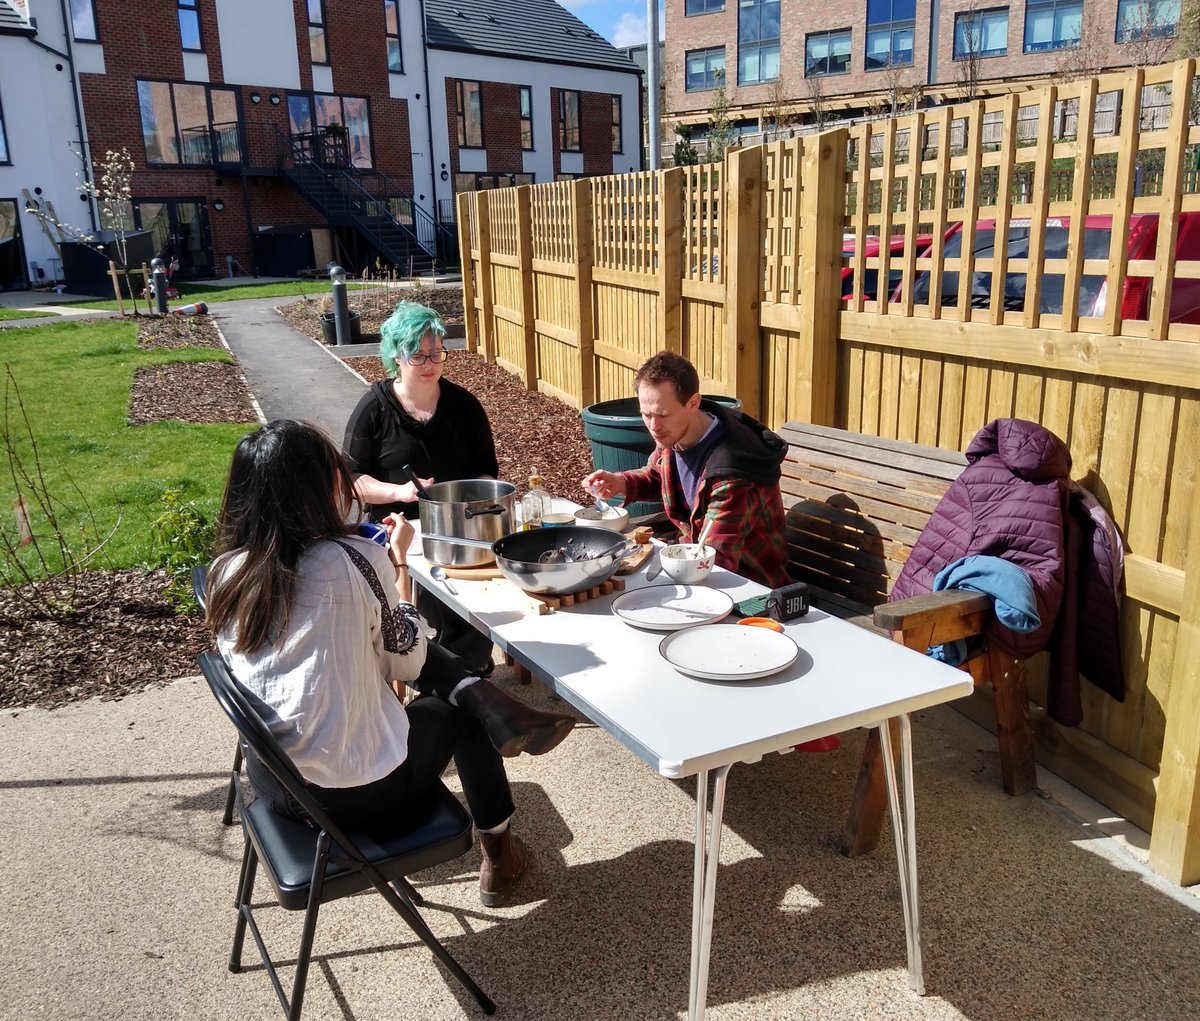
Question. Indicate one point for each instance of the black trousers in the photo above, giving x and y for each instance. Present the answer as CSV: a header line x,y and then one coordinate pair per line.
x,y
454,633
437,732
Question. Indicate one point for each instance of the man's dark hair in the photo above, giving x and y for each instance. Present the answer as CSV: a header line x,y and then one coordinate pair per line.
x,y
669,367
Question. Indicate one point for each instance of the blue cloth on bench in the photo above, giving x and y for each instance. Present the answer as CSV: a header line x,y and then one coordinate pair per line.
x,y
1008,586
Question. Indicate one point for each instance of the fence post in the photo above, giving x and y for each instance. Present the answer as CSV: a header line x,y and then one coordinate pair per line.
x,y
670,259
1175,836
487,322
743,273
581,228
466,217
823,208
525,229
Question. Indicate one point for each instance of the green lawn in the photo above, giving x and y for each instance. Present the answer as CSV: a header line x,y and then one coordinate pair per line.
x,y
74,379
21,313
189,292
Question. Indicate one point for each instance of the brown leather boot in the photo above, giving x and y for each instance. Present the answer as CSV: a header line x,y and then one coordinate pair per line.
x,y
505,859
511,725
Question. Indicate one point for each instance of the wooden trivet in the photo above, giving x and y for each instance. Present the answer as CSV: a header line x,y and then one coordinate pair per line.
x,y
595,592
631,563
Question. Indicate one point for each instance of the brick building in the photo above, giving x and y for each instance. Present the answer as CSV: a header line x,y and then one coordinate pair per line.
x,y
278,135
807,62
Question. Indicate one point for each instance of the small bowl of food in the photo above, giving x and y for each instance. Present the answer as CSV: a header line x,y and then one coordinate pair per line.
x,y
687,563
616,518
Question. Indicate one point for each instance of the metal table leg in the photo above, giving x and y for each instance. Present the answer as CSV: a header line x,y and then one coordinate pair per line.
x,y
904,828
704,886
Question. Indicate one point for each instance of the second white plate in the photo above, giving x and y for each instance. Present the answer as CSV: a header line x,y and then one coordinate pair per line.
x,y
672,607
729,652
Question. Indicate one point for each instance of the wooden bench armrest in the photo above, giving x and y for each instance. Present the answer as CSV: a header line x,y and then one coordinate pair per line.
x,y
935,618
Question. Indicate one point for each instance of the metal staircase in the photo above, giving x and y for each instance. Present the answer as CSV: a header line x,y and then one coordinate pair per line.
x,y
371,203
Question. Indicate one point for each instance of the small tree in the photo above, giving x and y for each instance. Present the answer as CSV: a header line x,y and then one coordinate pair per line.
x,y
1147,36
721,134
777,112
967,58
113,195
685,153
818,107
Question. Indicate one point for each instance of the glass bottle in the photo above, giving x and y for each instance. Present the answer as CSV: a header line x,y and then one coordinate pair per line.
x,y
535,503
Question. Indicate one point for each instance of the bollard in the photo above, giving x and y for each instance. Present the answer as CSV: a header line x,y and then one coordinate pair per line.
x,y
341,305
158,284
195,309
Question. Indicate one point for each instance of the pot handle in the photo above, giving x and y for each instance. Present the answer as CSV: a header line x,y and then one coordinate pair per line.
x,y
458,540
495,509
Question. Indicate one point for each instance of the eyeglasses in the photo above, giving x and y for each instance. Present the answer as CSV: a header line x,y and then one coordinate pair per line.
x,y
437,357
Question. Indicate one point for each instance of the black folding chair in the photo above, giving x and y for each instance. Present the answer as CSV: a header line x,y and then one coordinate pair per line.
x,y
308,866
199,580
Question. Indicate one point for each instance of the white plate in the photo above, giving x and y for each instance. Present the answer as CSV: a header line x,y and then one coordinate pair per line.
x,y
671,607
729,652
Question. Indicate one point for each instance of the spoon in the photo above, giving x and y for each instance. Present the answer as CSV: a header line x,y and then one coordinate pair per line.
x,y
603,506
438,573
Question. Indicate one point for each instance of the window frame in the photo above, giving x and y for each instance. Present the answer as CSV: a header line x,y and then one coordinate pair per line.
x,y
460,112
192,8
5,151
761,44
1162,30
524,97
176,137
393,6
564,132
892,26
1053,6
706,7
980,15
84,9
828,35
709,72
320,32
618,143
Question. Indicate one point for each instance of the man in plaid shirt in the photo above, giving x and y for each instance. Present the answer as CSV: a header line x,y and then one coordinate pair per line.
x,y
708,462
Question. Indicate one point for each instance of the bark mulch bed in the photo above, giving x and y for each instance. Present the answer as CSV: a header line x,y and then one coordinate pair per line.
x,y
122,637
205,393
374,305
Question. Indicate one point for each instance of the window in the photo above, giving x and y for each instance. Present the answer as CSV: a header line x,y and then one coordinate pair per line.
x,y
616,125
192,125
526,117
312,116
318,46
568,121
1138,20
704,69
1052,24
827,53
891,25
391,17
189,26
469,109
485,182
703,7
981,34
83,21
758,41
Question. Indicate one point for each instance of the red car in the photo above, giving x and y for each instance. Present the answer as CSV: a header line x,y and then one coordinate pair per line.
x,y
1093,290
871,247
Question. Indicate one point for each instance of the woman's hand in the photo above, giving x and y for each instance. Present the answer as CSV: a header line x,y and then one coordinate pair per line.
x,y
407,493
604,484
399,535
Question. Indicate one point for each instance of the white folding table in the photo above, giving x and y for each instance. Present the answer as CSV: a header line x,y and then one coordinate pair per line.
x,y
680,726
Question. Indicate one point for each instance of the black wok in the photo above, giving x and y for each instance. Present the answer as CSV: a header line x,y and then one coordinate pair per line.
x,y
596,554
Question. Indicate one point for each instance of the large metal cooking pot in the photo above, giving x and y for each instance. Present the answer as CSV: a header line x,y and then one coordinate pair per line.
x,y
597,554
480,509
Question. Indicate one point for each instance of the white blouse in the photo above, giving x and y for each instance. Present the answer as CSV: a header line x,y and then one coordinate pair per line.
x,y
328,677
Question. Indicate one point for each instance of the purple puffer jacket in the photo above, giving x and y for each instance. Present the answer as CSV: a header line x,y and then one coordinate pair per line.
x,y
1009,502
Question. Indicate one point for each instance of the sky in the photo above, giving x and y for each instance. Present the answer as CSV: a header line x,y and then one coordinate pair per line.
x,y
621,22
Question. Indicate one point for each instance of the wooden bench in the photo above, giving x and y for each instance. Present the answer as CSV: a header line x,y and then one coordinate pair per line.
x,y
855,506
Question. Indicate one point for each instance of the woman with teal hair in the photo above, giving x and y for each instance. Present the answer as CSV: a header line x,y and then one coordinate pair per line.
x,y
418,418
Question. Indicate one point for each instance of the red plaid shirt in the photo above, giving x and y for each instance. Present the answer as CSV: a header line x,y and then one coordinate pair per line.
x,y
748,533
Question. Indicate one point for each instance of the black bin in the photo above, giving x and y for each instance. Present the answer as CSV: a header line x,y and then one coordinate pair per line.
x,y
85,263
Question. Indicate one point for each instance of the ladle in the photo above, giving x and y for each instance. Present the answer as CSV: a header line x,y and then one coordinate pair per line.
x,y
412,477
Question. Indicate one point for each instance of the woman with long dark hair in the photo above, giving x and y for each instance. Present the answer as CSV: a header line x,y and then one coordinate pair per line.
x,y
316,621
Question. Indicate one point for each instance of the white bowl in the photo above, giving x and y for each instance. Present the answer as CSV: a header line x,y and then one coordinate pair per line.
x,y
617,518
687,563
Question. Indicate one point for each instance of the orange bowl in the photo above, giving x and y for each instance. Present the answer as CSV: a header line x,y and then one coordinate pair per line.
x,y
768,622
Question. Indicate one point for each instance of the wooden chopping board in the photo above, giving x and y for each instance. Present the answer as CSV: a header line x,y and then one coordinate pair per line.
x,y
635,560
479,572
